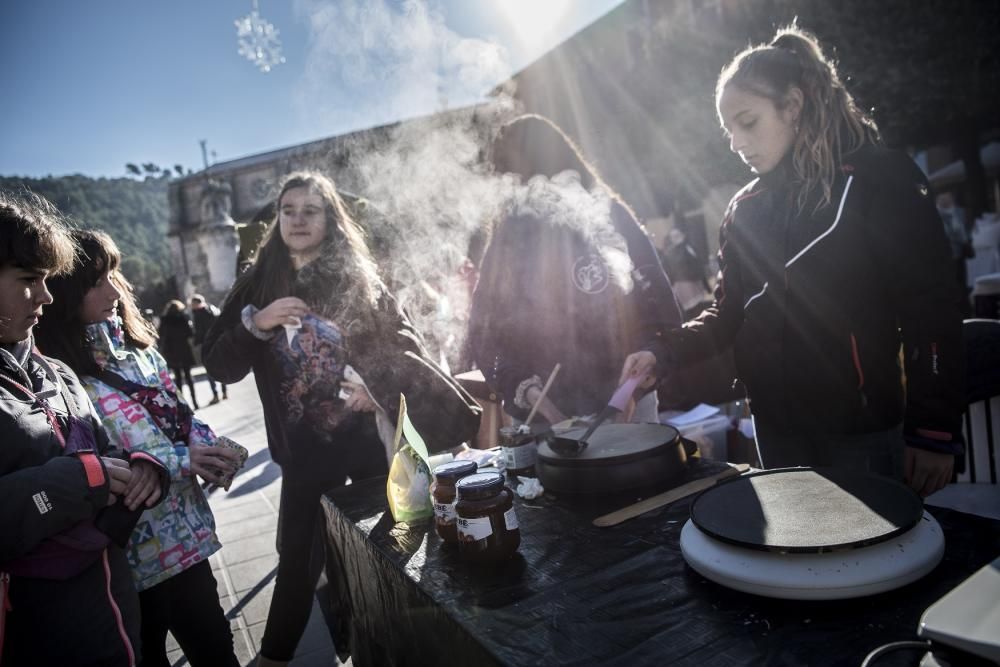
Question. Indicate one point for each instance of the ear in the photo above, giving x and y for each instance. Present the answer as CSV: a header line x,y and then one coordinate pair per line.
x,y
794,99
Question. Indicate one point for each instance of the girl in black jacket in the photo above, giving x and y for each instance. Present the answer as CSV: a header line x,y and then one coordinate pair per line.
x,y
834,269
310,305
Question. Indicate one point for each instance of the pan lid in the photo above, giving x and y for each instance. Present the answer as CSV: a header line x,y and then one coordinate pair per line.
x,y
806,510
612,444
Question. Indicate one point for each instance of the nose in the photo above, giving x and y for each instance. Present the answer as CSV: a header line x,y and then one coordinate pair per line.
x,y
736,142
43,296
114,290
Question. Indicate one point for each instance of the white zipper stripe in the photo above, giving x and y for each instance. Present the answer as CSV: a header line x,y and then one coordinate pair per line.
x,y
836,221
758,294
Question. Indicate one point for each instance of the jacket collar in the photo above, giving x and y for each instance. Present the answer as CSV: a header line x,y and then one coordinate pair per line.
x,y
106,341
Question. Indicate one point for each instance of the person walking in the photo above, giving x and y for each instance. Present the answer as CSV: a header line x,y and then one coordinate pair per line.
x,y
203,316
836,281
175,346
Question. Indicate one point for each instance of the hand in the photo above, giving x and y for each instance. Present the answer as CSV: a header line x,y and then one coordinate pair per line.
x,y
144,487
639,364
119,474
213,464
359,399
926,471
286,310
552,414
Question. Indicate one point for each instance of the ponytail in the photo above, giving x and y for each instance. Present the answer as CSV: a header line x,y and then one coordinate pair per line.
x,y
829,125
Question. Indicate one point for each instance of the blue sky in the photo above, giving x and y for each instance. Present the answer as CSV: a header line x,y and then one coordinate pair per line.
x,y
92,85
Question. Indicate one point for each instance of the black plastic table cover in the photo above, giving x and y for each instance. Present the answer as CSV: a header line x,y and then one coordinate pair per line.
x,y
576,594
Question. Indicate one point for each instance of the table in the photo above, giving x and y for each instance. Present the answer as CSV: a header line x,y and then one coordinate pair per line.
x,y
580,595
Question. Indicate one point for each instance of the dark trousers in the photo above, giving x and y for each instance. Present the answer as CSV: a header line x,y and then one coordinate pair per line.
x,y
356,453
879,452
188,606
182,376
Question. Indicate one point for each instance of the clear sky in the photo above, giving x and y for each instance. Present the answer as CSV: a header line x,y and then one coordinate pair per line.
x,y
90,85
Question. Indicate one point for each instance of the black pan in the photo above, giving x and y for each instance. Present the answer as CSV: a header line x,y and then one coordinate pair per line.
x,y
618,457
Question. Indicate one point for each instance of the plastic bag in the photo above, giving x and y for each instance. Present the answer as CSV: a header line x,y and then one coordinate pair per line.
x,y
408,486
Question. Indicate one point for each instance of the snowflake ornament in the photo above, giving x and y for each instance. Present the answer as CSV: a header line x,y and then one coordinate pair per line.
x,y
258,40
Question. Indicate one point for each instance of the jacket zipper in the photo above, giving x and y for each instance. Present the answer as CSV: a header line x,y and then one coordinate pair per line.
x,y
857,367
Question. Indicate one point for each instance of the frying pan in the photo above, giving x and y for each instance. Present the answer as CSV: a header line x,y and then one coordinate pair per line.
x,y
618,457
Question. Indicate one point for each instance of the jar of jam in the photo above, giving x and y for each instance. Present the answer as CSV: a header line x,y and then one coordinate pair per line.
x,y
519,448
443,496
487,525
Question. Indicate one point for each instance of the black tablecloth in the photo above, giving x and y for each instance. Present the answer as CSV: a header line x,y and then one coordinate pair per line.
x,y
580,595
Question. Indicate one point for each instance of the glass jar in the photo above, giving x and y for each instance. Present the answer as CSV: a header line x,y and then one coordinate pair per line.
x,y
443,496
519,448
487,524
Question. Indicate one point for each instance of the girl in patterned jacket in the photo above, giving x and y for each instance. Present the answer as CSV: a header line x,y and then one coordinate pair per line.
x,y
98,331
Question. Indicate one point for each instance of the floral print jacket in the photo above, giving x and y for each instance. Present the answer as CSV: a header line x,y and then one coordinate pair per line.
x,y
180,531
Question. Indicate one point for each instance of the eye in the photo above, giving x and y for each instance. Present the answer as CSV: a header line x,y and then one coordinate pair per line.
x,y
748,125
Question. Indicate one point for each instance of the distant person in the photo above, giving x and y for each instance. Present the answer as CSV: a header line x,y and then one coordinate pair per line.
x,y
203,316
568,277
310,306
830,259
953,219
66,595
686,272
176,334
98,330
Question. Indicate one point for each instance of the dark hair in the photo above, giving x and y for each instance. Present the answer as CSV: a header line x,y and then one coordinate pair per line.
x,y
34,235
60,332
173,307
272,275
830,123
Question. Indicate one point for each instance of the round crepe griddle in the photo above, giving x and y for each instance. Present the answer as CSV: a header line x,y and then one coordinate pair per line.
x,y
612,444
807,510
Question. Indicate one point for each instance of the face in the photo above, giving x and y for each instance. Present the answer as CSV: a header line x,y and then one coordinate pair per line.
x,y
759,132
22,295
100,303
302,222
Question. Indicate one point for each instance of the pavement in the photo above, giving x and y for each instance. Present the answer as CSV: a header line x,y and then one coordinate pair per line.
x,y
246,519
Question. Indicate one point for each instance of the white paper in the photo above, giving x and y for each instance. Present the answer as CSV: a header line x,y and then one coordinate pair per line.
x,y
695,414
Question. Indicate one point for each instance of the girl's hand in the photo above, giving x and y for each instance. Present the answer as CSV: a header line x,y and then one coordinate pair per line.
x,y
119,474
286,310
547,408
925,471
638,364
213,464
359,400
144,486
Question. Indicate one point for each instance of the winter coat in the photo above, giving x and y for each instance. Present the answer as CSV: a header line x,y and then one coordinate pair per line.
x,y
819,302
180,532
546,295
58,568
202,319
175,340
298,372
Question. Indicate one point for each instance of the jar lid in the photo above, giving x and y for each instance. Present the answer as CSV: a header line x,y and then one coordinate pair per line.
x,y
455,469
479,486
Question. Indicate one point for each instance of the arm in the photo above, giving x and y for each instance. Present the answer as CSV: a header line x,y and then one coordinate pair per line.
x,y
910,241
230,347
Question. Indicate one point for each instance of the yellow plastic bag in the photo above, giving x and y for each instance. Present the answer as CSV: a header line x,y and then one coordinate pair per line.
x,y
408,486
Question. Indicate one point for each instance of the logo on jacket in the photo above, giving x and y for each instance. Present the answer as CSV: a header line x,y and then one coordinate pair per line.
x,y
42,502
590,274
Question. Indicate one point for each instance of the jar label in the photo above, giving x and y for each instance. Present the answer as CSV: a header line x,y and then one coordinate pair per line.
x,y
445,513
472,530
521,457
510,519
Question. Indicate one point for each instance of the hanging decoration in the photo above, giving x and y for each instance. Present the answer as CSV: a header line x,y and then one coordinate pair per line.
x,y
258,40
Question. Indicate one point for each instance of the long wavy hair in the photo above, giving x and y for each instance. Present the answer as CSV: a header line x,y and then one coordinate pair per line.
x,y
830,124
350,283
60,331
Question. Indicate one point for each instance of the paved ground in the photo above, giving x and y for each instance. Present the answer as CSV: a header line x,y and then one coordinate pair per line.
x,y
246,518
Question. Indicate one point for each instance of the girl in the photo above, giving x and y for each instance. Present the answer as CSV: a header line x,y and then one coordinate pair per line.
x,y
830,259
569,276
310,304
65,593
97,329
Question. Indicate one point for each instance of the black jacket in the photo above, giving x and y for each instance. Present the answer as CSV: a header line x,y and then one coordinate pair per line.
x,y
50,504
818,303
389,355
175,341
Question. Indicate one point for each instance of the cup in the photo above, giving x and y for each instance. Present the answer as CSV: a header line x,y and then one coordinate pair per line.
x,y
223,441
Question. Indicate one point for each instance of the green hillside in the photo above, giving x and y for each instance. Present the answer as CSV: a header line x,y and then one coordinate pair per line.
x,y
134,212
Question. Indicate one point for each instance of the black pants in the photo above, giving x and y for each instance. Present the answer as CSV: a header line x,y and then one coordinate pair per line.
x,y
188,606
182,376
356,453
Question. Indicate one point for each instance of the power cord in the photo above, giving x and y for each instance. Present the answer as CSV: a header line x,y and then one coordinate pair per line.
x,y
912,645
